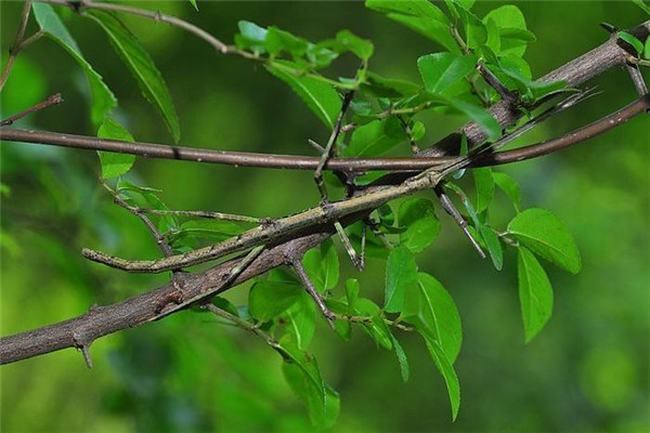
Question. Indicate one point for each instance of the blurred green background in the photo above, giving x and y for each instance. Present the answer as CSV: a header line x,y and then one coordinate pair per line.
x,y
587,371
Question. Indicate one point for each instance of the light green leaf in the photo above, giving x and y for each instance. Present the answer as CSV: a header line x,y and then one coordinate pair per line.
x,y
448,374
322,265
251,37
475,30
137,59
646,50
632,40
193,2
422,226
278,41
301,321
49,22
535,293
269,299
308,365
401,277
479,115
114,164
509,18
545,235
509,186
378,329
404,369
320,97
225,305
419,15
440,71
484,184
352,292
362,48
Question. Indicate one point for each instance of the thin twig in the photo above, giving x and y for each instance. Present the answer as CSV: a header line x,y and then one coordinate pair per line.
x,y
204,214
13,52
52,100
637,79
449,207
296,263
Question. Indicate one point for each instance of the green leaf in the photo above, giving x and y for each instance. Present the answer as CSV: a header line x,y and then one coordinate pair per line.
x,y
269,299
277,41
441,71
484,184
401,277
419,15
493,245
545,235
375,138
377,329
114,164
422,227
402,359
535,293
301,321
508,19
435,314
448,373
320,97
646,50
362,48
632,40
642,4
479,115
49,22
322,265
475,30
216,230
388,87
137,59
251,37
146,197
193,2
308,365
352,292
225,305
530,90
509,186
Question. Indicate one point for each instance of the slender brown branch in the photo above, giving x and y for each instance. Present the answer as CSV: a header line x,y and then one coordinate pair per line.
x,y
15,49
296,264
52,100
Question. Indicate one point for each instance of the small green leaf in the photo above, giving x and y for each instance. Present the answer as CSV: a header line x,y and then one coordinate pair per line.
x,y
419,15
362,48
375,138
251,37
479,115
323,414
277,41
215,230
149,79
402,359
193,2
320,97
484,184
535,293
377,329
632,40
422,226
646,50
545,235
352,292
475,30
388,87
448,374
308,365
225,305
401,277
508,19
50,23
509,186
114,164
322,265
441,71
269,299
493,245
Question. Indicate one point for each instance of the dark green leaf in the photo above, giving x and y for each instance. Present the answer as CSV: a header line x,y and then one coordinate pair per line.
x,y
401,277
419,15
509,186
320,97
149,79
441,71
362,48
277,41
545,235
375,138
268,299
52,26
308,365
448,374
632,40
535,293
322,265
225,305
422,226
301,321
493,245
484,184
388,87
642,4
114,164
215,230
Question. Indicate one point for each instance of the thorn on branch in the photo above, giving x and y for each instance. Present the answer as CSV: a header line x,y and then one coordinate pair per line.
x,y
296,264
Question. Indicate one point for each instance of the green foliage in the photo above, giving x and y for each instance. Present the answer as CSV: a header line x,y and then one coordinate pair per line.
x,y
103,100
643,5
141,65
447,371
401,278
421,226
322,266
442,72
268,299
375,138
636,44
509,186
535,293
114,164
484,184
545,235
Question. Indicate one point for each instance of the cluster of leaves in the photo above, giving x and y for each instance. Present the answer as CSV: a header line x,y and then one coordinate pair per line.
x,y
384,112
